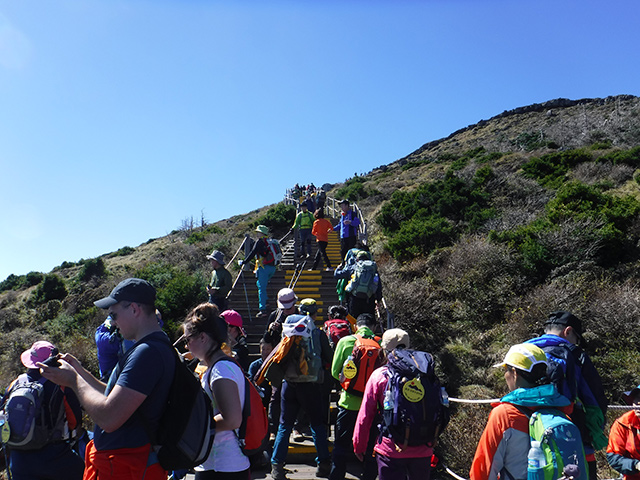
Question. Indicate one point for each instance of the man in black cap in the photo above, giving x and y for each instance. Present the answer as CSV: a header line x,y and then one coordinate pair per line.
x,y
575,376
127,409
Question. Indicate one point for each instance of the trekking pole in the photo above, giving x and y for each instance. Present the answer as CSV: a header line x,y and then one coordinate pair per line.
x,y
246,297
6,461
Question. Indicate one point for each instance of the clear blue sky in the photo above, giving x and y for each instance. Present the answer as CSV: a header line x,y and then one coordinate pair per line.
x,y
119,119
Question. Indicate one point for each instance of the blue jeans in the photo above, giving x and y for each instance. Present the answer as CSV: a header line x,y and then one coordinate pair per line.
x,y
264,274
307,396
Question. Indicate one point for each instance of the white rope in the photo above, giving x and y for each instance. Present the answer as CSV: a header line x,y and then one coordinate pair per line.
x,y
453,474
464,400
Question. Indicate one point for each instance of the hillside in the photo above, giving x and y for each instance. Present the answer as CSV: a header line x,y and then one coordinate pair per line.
x,y
478,237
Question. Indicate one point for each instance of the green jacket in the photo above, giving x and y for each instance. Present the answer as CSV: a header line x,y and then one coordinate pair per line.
x,y
221,282
344,348
304,220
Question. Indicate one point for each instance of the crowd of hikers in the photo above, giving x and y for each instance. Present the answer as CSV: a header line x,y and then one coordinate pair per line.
x,y
160,414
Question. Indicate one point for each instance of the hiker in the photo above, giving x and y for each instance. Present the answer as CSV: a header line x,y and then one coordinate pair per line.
x,y
339,324
575,377
137,389
47,452
265,349
303,225
237,338
302,389
320,230
224,382
623,451
504,445
286,306
111,347
363,287
410,462
265,267
348,228
350,401
221,281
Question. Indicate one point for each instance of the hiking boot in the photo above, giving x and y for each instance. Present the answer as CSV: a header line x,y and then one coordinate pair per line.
x,y
324,469
261,314
278,472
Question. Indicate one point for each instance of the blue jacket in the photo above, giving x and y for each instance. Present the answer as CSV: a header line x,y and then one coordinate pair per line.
x,y
348,230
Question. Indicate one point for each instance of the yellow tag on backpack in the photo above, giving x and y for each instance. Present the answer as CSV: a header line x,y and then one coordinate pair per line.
x,y
413,390
6,432
349,370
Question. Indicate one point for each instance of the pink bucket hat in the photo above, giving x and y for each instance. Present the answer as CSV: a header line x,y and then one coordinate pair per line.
x,y
233,318
38,352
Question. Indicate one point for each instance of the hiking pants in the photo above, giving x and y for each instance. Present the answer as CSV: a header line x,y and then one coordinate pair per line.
x,y
53,462
321,253
263,275
295,396
346,244
343,447
403,468
304,236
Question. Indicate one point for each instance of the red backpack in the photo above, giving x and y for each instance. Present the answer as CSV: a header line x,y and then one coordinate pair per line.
x,y
358,367
253,434
335,329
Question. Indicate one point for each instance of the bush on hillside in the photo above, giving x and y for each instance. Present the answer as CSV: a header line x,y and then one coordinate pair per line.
x,y
280,217
51,288
550,169
177,292
354,189
629,157
202,234
93,267
435,214
124,251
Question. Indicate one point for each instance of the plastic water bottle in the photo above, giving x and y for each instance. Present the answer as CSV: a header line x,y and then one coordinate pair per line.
x,y
536,462
388,402
444,397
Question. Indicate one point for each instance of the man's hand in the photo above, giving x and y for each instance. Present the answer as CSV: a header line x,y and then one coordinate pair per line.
x,y
64,375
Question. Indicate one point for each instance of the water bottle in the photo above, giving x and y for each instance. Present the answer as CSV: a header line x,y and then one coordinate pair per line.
x,y
388,402
536,461
444,397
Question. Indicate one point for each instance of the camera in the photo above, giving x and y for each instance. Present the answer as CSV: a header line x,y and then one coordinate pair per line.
x,y
52,361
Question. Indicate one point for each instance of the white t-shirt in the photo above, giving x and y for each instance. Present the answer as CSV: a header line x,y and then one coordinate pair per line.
x,y
225,455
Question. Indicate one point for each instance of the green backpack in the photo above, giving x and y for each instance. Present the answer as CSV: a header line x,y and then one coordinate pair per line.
x,y
560,441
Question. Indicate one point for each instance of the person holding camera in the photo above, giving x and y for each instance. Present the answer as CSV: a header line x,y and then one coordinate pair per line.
x,y
45,453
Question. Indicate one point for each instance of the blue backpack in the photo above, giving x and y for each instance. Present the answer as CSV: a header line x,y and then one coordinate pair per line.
x,y
33,424
415,408
560,441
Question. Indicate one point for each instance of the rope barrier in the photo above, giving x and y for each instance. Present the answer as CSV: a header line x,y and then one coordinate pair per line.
x,y
497,400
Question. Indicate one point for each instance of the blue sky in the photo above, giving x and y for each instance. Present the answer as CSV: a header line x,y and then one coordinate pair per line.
x,y
119,119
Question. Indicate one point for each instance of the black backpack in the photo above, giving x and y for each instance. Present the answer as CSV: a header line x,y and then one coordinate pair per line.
x,y
186,428
415,409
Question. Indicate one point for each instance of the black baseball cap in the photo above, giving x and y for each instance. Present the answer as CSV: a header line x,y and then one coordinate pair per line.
x,y
567,319
130,290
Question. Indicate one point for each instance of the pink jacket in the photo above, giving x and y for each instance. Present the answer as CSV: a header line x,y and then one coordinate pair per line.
x,y
371,404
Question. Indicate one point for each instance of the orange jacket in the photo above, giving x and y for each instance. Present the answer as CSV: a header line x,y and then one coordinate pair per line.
x,y
321,229
623,452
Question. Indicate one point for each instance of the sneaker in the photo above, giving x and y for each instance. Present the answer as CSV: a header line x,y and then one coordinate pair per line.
x,y
329,269
278,472
298,436
324,469
261,314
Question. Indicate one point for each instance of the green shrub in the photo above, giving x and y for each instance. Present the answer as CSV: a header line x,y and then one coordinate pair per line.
x,y
124,251
278,218
51,288
93,267
550,169
177,291
12,282
629,157
353,189
61,327
434,214
33,278
201,235
529,141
